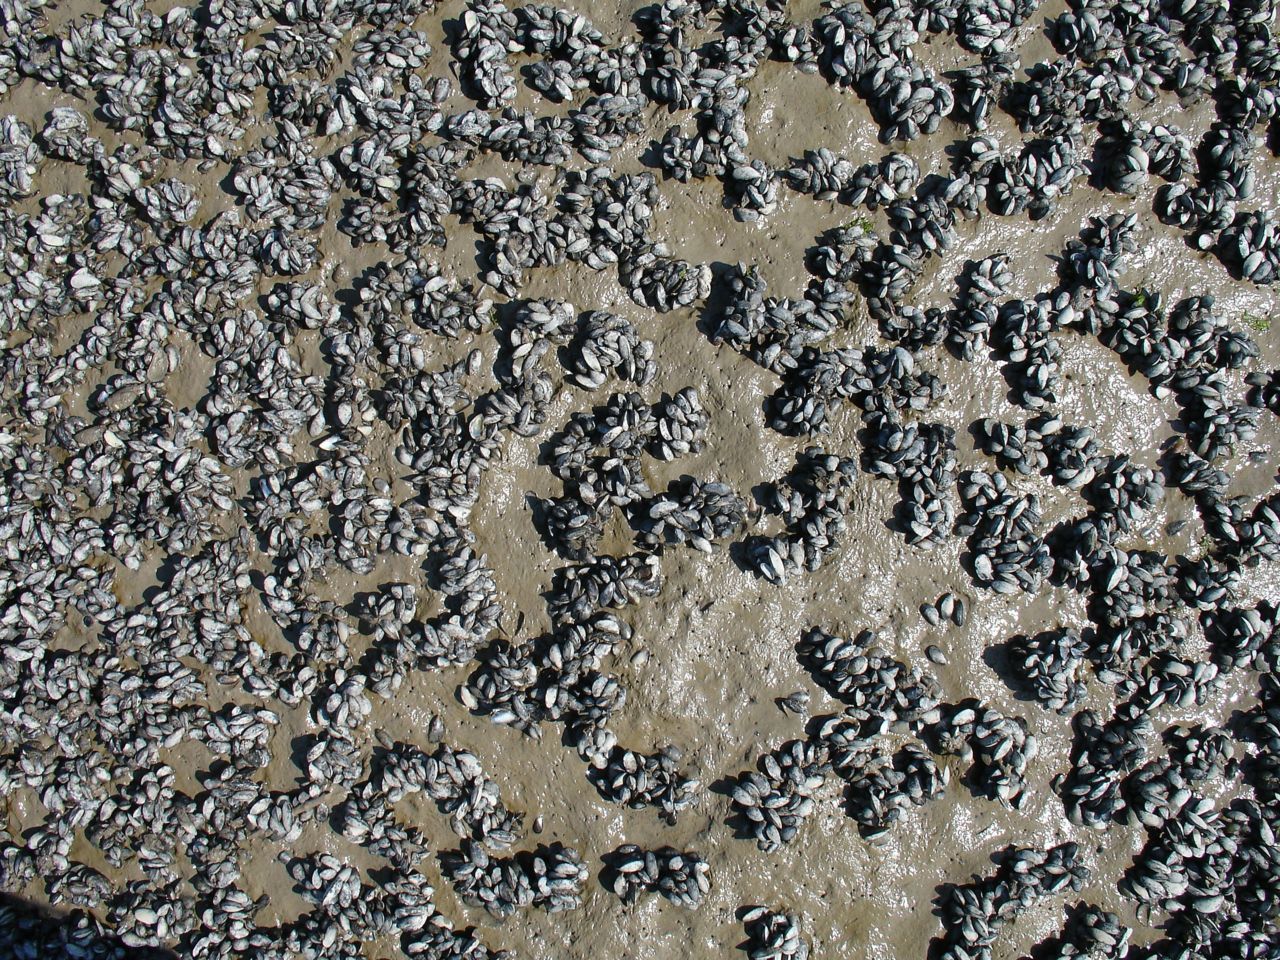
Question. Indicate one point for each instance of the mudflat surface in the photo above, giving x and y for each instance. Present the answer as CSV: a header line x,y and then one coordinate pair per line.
x,y
714,650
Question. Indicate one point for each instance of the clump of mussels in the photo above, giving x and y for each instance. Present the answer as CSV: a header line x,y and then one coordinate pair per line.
x,y
308,116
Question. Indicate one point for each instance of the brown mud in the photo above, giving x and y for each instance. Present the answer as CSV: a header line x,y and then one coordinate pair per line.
x,y
720,642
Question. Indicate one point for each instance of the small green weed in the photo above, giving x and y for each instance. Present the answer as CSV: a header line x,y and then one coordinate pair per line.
x,y
1256,323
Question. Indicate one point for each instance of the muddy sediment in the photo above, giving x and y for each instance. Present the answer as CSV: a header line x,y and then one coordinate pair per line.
x,y
711,654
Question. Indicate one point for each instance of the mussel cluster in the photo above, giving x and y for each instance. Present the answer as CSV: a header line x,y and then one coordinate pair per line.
x,y
242,372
